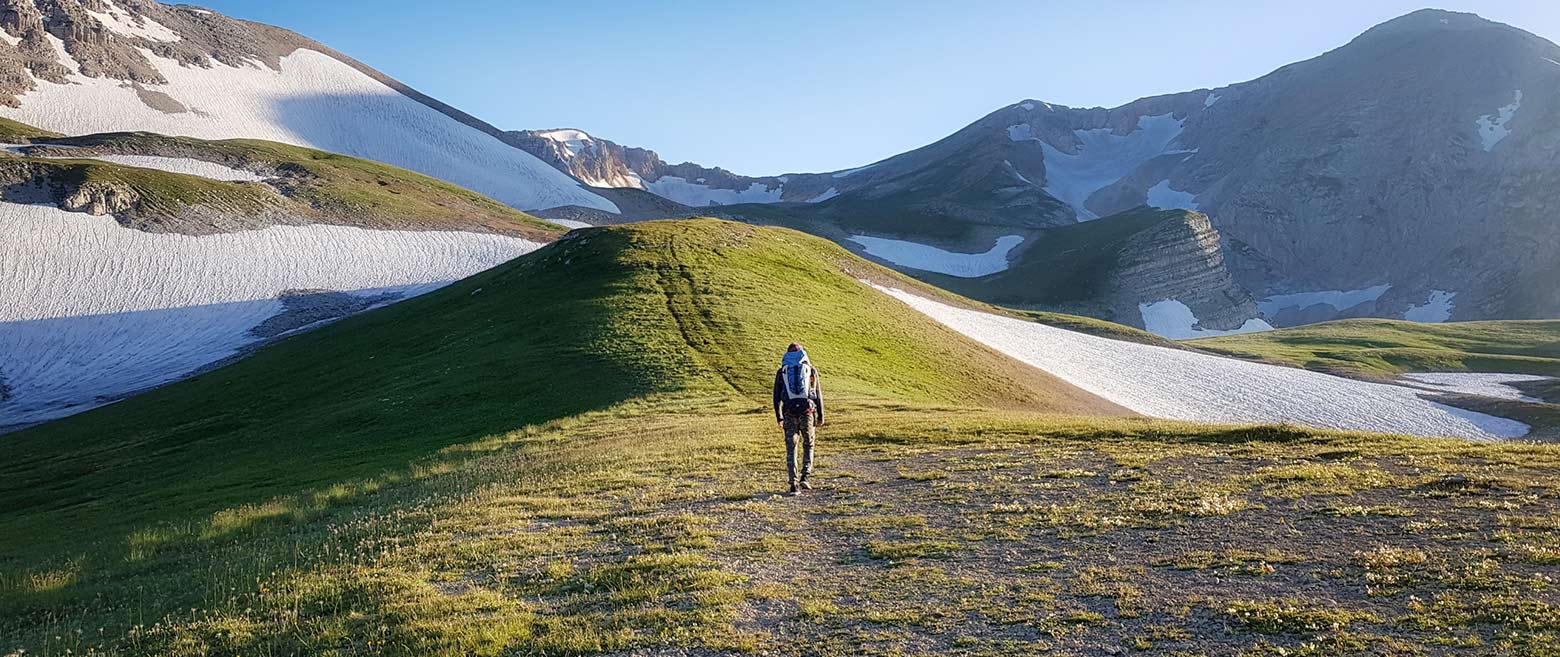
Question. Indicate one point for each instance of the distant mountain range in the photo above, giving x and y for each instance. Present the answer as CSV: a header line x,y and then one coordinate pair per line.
x,y
1409,173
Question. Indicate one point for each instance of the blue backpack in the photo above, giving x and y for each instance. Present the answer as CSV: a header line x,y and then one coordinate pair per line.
x,y
796,376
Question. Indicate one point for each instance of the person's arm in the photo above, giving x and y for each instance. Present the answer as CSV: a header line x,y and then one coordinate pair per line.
x,y
776,403
818,393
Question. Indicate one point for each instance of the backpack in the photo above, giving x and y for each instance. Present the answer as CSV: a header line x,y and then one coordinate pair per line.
x,y
797,375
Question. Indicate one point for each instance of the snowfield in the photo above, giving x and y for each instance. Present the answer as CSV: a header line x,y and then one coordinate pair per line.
x,y
1183,385
1493,385
930,258
95,311
1102,157
1172,319
699,195
315,101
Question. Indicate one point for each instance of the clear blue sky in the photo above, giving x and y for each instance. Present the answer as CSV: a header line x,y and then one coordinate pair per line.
x,y
767,88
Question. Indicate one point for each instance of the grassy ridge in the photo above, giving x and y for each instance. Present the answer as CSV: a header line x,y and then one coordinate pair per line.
x,y
301,181
691,309
1382,348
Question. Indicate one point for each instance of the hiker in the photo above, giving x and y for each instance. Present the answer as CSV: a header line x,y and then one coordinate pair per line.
x,y
798,401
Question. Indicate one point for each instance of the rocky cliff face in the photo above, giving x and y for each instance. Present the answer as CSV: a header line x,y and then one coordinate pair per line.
x,y
606,164
1179,259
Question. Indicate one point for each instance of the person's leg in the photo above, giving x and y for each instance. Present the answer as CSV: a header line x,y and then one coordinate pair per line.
x,y
809,433
791,430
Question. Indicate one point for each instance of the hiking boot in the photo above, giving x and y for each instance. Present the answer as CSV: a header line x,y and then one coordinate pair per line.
x,y
794,489
805,485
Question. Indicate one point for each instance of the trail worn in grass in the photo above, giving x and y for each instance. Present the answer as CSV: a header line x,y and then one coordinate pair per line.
x,y
654,528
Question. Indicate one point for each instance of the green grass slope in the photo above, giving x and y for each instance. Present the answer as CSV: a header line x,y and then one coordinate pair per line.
x,y
1382,348
694,309
1059,266
570,455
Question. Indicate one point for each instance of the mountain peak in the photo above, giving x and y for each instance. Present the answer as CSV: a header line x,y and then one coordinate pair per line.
x,y
1428,21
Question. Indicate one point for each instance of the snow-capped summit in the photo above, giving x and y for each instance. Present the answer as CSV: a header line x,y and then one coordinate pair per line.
x,y
85,66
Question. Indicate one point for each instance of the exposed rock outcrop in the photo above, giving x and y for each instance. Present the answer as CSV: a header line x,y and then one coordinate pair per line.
x,y
1180,259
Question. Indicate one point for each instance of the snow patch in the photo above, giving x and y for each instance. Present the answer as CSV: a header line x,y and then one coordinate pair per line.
x,y
1014,170
1184,385
70,63
570,223
573,141
1480,384
123,23
314,101
1169,318
1435,310
1103,157
930,258
94,310
694,194
1492,127
1028,106
1210,100
847,172
1164,198
830,193
1340,300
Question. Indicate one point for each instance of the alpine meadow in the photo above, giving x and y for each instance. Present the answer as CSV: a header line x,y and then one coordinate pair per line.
x,y
296,359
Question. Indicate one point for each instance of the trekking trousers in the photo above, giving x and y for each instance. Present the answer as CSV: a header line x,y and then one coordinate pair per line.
x,y
799,427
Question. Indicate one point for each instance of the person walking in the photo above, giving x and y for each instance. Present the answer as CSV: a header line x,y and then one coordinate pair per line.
x,y
798,401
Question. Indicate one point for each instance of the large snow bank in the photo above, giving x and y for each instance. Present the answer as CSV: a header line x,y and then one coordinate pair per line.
x,y
699,195
1340,300
930,258
1172,319
1435,310
1102,157
1492,127
1481,384
1183,385
94,311
316,101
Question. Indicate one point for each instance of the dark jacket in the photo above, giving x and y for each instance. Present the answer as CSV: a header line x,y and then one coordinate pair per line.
x,y
817,393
